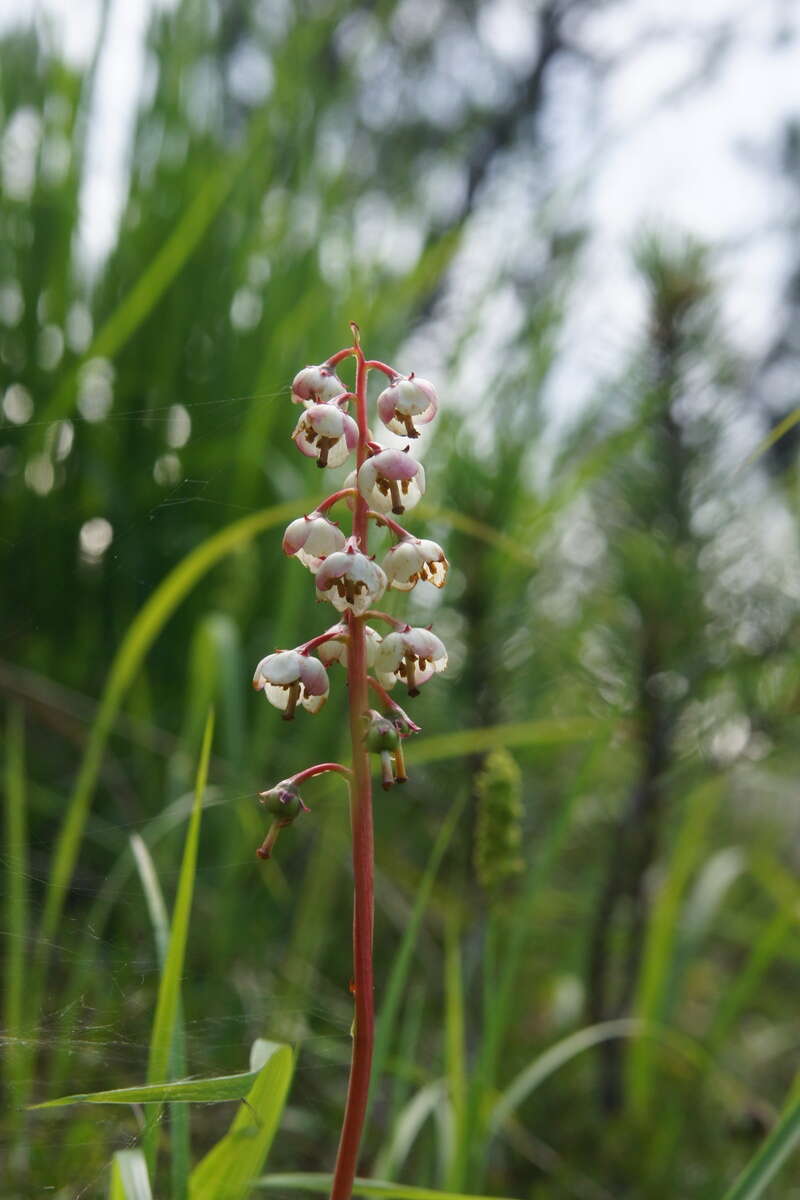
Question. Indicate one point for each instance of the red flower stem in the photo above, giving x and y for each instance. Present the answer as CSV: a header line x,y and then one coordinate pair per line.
x,y
321,638
390,703
382,519
334,498
336,358
320,769
363,849
374,365
378,615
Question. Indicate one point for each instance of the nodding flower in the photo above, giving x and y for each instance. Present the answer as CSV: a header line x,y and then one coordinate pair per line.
x,y
311,539
407,403
414,559
316,385
391,481
350,580
335,649
326,433
289,678
414,655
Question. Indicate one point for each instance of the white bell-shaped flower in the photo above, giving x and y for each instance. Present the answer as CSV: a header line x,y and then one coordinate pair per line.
x,y
325,432
311,539
335,650
289,678
414,655
415,559
407,403
316,385
391,481
350,580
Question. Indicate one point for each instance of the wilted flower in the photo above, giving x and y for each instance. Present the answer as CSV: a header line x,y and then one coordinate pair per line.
x,y
315,385
407,403
335,649
414,559
413,655
382,738
350,580
326,433
391,480
283,800
289,678
311,539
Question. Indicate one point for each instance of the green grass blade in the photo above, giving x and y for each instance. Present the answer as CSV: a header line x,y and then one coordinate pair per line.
x,y
557,1056
308,1182
422,1105
541,732
179,1113
455,1050
16,913
661,939
771,1156
395,988
141,634
182,1091
153,896
164,1023
129,1178
228,1170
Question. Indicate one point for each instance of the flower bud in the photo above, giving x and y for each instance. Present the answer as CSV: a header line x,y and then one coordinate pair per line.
x,y
391,481
289,678
311,539
316,385
414,656
326,433
350,580
412,560
407,403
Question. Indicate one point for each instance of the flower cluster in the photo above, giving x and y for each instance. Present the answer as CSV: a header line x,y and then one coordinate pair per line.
x,y
385,480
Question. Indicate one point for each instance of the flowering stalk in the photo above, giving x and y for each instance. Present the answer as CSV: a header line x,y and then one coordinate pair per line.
x,y
384,480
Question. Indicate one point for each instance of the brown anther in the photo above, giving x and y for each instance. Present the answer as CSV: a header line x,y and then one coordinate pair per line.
x,y
349,591
311,434
411,430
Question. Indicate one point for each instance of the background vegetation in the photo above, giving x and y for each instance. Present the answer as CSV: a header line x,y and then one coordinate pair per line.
x,y
587,900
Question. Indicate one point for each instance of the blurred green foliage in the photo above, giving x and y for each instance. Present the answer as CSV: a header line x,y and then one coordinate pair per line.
x,y
622,613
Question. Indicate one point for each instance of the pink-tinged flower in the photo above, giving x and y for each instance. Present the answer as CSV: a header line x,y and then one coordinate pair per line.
x,y
414,559
288,678
335,650
350,580
311,539
407,403
391,481
315,385
414,656
326,433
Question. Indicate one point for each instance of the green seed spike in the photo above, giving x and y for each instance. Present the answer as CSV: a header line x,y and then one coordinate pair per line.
x,y
498,834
